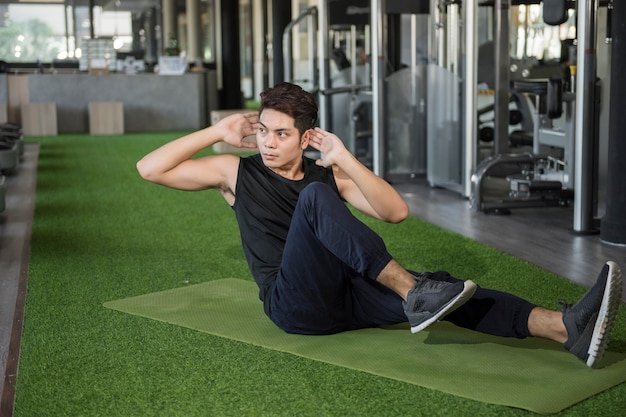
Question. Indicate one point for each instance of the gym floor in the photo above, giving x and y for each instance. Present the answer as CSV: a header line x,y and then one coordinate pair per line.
x,y
542,236
15,230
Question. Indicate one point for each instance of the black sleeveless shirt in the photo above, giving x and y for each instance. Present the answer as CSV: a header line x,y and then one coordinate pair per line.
x,y
264,205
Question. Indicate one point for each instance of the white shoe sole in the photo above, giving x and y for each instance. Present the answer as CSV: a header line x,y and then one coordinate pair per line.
x,y
469,288
608,310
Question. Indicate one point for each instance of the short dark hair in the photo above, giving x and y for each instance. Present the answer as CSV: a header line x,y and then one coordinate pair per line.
x,y
293,101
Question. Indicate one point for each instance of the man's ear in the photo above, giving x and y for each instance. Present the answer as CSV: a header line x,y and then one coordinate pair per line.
x,y
306,137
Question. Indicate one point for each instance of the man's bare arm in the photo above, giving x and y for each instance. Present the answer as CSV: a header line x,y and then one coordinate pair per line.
x,y
359,186
173,165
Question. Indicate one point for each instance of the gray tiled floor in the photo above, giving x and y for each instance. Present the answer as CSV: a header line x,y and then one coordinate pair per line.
x,y
15,228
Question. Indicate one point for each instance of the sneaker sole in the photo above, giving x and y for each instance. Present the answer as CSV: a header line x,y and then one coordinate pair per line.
x,y
469,288
608,310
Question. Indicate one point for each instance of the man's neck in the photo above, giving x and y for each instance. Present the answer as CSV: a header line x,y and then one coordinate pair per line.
x,y
292,172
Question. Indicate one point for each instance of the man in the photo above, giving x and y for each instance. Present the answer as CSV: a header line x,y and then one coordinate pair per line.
x,y
319,269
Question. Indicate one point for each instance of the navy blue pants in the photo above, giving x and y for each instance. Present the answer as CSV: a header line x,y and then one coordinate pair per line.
x,y
327,280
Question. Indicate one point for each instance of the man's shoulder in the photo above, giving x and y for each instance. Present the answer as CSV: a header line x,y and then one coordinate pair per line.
x,y
311,166
250,160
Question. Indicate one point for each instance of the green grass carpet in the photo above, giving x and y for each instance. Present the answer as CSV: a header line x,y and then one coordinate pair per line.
x,y
101,233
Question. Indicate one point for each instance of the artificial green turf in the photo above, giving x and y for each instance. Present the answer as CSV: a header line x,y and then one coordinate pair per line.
x,y
101,233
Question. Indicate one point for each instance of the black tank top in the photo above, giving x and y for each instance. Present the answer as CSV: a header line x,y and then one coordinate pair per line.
x,y
264,205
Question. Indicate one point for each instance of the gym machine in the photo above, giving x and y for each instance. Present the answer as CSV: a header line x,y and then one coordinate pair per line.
x,y
374,104
406,89
546,172
339,31
11,147
3,192
545,179
11,152
451,96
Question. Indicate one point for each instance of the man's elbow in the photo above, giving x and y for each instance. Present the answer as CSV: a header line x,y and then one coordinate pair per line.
x,y
145,172
399,214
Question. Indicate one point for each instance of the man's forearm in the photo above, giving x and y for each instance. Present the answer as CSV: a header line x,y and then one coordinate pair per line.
x,y
381,196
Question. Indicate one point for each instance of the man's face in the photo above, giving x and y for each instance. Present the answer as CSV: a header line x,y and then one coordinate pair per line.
x,y
278,140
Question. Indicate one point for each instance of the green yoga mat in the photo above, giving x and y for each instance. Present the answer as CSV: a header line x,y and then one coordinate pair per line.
x,y
531,374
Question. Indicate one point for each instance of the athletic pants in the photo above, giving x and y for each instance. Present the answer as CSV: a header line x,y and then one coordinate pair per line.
x,y
327,279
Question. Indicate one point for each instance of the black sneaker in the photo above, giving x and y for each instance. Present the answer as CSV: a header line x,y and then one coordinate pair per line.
x,y
432,300
589,321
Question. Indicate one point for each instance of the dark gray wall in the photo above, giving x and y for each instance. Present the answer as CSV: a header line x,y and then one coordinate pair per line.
x,y
151,102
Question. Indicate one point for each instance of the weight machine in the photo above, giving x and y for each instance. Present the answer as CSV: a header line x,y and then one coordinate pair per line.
x,y
375,105
544,178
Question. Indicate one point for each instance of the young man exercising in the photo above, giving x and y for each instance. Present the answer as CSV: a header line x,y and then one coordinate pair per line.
x,y
319,269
